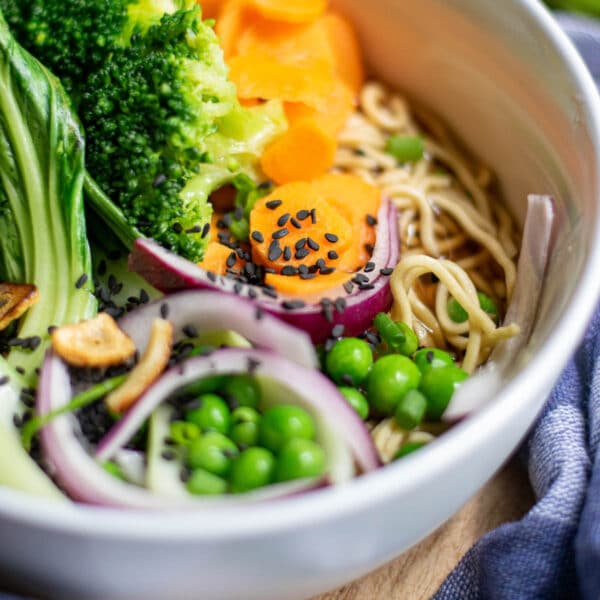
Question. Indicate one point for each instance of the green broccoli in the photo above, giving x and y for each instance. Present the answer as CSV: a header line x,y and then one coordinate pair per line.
x,y
42,233
163,125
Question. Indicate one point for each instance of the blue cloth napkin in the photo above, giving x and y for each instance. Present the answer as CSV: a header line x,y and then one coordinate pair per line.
x,y
554,551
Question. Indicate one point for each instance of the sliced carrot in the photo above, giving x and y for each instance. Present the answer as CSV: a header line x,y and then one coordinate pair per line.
x,y
354,199
260,76
215,258
332,112
346,50
210,8
295,286
291,44
290,11
231,21
307,243
306,150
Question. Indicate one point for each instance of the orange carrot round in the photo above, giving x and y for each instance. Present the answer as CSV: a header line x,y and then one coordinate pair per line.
x,y
303,152
290,11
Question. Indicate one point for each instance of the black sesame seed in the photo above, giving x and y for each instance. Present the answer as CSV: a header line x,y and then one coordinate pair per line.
x,y
340,305
20,370
347,379
302,253
289,270
17,421
159,180
205,230
211,276
273,204
102,267
332,255
257,236
250,269
237,287
259,314
327,311
280,233
190,331
348,286
177,228
302,214
184,474
303,269
4,380
253,364
312,244
306,276
270,293
369,248
144,298
386,271
238,213
313,216
252,293
34,342
283,219
360,278
326,270
287,253
370,266
300,243
329,344
320,264
293,304
359,152
371,220
434,278
168,454
429,356
164,310
338,330
366,286
194,229
231,260
81,281
331,237
295,223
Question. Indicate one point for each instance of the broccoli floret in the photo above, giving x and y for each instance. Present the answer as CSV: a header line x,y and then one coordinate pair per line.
x,y
162,121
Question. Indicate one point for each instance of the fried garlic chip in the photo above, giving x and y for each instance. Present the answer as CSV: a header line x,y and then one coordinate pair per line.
x,y
15,299
96,343
149,368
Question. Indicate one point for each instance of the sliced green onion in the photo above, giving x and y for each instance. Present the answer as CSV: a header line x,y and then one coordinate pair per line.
x,y
405,148
408,448
389,331
83,399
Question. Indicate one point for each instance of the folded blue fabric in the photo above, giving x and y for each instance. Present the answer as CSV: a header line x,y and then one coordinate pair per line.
x,y
554,551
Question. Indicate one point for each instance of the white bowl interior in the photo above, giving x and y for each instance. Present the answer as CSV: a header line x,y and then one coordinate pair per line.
x,y
508,83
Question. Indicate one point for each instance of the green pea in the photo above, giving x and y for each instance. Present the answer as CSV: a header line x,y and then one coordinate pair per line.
x,y
407,448
241,390
438,385
244,431
212,415
299,459
411,409
253,468
390,378
212,452
182,432
356,400
349,361
405,148
411,341
459,315
203,483
432,358
284,422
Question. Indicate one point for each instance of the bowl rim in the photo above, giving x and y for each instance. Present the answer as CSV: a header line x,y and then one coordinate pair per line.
x,y
376,487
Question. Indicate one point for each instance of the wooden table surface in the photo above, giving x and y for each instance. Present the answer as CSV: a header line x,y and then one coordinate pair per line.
x,y
417,574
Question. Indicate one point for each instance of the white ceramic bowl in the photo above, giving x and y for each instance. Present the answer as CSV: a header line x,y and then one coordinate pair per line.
x,y
510,83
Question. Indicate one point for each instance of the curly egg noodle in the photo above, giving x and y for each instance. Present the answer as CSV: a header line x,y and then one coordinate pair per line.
x,y
456,236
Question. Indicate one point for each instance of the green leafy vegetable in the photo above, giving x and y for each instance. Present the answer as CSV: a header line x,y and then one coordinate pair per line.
x,y
163,125
591,7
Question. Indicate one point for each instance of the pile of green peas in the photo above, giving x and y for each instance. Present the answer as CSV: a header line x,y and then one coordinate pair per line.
x,y
229,446
397,378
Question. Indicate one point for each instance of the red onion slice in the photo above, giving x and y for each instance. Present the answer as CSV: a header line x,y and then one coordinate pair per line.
x,y
85,480
339,426
207,311
355,310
